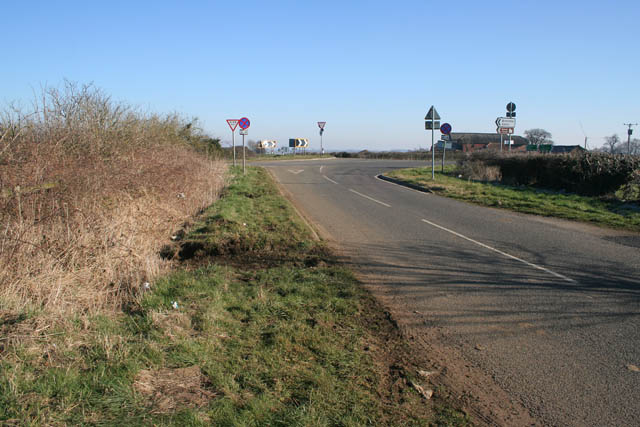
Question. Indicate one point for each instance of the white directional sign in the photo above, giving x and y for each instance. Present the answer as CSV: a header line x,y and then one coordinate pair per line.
x,y
506,122
244,131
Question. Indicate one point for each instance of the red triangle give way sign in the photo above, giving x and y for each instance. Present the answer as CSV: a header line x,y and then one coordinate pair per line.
x,y
232,123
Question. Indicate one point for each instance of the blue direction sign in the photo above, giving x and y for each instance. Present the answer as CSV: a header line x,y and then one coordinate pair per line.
x,y
445,128
244,123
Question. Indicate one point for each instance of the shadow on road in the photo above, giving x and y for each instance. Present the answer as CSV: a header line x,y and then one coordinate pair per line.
x,y
457,287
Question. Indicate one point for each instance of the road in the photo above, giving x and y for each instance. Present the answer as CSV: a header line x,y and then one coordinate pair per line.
x,y
518,311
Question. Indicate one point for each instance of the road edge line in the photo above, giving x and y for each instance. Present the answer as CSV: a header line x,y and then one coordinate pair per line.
x,y
405,184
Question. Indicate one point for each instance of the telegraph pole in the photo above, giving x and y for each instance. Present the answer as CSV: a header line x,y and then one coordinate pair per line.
x,y
629,132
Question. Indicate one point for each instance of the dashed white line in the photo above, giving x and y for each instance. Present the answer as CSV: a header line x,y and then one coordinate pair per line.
x,y
321,168
530,264
329,179
370,198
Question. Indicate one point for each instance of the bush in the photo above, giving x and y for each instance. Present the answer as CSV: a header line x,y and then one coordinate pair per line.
x,y
90,190
477,166
630,192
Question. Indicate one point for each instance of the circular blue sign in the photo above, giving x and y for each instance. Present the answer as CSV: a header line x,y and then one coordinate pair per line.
x,y
445,128
244,123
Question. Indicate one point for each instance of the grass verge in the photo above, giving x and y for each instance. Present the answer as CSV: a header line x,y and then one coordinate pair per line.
x,y
529,200
260,326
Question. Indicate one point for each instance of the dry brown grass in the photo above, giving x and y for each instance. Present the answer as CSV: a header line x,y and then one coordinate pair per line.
x,y
90,190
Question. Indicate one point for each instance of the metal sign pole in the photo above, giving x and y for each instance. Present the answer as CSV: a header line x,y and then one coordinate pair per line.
x,y
433,155
444,149
244,167
501,142
509,142
233,141
321,148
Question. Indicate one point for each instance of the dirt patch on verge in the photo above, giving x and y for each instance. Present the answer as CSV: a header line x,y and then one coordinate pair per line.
x,y
168,389
443,369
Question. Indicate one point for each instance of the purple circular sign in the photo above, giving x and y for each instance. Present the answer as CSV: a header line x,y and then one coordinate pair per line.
x,y
244,123
445,128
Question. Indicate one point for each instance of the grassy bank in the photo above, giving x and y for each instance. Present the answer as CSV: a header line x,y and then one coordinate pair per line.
x,y
260,326
529,200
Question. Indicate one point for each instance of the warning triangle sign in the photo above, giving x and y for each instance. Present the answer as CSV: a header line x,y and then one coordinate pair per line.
x,y
432,114
232,124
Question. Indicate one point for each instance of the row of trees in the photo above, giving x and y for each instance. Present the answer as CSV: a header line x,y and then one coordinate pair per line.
x,y
613,144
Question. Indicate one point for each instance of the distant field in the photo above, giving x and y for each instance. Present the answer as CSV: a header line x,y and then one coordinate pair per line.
x,y
610,213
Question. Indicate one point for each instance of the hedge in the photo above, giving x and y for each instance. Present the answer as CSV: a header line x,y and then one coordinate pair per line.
x,y
587,173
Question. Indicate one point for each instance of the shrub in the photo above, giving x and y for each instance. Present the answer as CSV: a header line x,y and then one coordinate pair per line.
x,y
90,190
586,173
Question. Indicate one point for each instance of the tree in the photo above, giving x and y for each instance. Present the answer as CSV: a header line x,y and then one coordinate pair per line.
x,y
610,143
538,136
253,146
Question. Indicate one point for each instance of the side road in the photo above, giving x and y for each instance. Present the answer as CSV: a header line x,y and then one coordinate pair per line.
x,y
607,213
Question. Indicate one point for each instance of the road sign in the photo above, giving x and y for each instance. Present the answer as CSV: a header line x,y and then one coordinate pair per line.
x,y
505,131
506,122
244,132
431,125
298,142
232,124
244,123
445,128
511,107
321,124
432,114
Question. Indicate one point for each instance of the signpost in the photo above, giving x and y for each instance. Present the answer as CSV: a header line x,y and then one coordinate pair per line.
x,y
432,122
511,113
244,124
321,126
506,125
505,122
446,131
232,124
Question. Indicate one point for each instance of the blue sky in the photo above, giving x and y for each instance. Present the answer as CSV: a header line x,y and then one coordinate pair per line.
x,y
369,69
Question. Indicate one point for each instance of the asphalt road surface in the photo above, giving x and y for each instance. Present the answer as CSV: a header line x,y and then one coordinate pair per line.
x,y
548,310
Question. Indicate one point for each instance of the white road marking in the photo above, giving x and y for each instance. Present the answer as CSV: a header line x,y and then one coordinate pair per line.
x,y
296,172
321,168
370,198
501,253
329,179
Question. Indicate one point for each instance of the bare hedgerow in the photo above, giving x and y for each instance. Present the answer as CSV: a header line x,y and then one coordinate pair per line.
x,y
90,190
